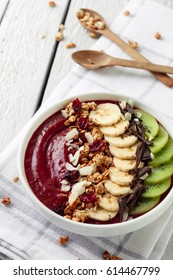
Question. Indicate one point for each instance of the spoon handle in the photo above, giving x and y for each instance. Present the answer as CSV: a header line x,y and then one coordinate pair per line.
x,y
141,65
168,81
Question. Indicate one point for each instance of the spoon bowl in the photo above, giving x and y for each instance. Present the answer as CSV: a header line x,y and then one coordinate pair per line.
x,y
94,15
91,59
95,59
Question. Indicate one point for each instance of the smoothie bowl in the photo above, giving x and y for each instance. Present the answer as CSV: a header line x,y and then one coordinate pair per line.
x,y
98,164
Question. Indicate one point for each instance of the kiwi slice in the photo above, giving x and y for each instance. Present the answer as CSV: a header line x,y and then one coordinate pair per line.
x,y
149,122
160,173
145,205
159,141
164,155
157,189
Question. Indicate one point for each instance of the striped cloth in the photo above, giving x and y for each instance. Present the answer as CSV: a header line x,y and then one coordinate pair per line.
x,y
24,233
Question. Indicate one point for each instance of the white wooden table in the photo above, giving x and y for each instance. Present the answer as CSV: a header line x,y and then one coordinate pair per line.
x,y
31,67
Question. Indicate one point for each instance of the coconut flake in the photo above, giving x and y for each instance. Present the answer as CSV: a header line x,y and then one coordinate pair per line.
x,y
150,138
64,182
77,190
123,104
76,158
131,103
128,116
86,170
65,188
89,137
139,115
64,113
144,176
71,134
151,155
81,148
125,216
70,167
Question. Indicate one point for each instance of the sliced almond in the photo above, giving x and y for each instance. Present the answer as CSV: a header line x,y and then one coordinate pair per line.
x,y
71,134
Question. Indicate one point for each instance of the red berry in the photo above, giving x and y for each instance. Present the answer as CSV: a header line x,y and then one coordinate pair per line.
x,y
83,123
88,197
97,145
77,107
72,176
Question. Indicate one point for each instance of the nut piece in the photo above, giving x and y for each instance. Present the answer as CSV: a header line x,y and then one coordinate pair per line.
x,y
107,256
133,44
42,36
52,4
16,179
100,25
90,61
93,34
80,14
157,35
80,215
63,240
59,36
70,46
126,13
61,27
6,200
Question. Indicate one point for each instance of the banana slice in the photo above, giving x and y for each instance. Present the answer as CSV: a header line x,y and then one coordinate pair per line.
x,y
115,189
124,153
116,129
119,177
123,141
125,164
108,202
101,214
106,114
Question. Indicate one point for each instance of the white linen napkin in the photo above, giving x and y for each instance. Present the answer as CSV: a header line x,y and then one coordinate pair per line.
x,y
24,233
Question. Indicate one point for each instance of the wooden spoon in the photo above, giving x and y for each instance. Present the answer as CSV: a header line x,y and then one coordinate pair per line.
x,y
95,60
168,81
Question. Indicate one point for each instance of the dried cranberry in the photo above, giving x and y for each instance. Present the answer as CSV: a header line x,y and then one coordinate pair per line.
x,y
83,123
97,145
88,197
77,107
72,176
82,137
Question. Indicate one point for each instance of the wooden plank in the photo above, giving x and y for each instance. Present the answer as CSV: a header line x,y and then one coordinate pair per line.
x,y
24,60
3,5
75,33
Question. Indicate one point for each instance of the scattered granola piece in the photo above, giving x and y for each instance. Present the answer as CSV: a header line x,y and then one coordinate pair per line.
x,y
59,36
90,61
80,215
157,35
133,44
63,240
93,34
42,36
100,25
70,46
80,14
107,256
52,4
61,27
126,13
16,179
6,200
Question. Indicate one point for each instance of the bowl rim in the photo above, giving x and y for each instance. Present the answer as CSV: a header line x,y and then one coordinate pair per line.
x,y
41,116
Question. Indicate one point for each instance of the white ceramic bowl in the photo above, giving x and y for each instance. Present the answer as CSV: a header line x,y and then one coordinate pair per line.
x,y
83,228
